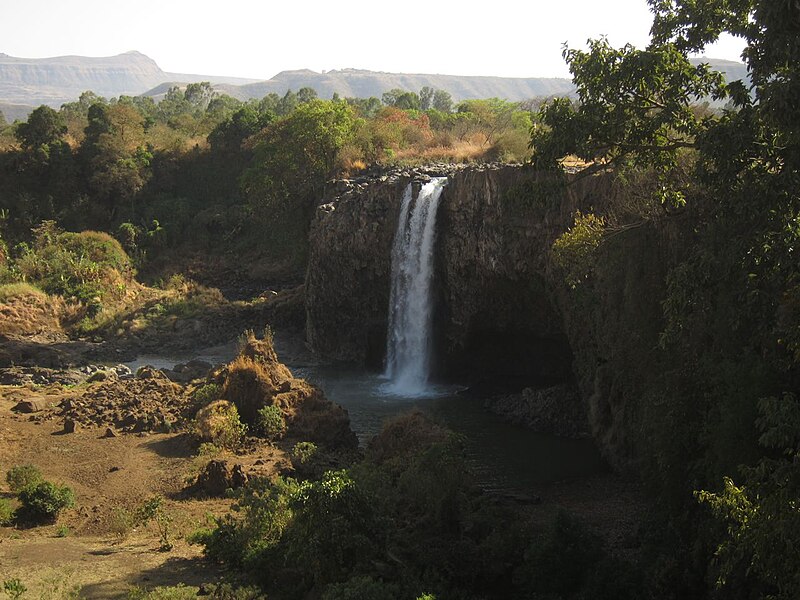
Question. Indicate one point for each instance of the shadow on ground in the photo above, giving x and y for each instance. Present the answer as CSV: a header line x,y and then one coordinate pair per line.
x,y
175,570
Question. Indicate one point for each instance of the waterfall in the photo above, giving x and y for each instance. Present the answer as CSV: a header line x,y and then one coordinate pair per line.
x,y
408,345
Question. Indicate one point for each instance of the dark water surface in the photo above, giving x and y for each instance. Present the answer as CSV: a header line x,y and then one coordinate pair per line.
x,y
503,456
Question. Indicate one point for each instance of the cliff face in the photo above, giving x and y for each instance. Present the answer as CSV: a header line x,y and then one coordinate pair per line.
x,y
504,318
347,283
62,79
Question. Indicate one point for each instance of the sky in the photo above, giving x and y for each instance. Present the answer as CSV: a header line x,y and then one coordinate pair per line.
x,y
258,39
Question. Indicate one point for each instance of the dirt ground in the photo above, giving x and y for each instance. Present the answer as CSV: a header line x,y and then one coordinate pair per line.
x,y
92,551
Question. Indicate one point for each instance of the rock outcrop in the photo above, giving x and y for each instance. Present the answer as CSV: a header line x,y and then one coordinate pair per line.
x,y
256,378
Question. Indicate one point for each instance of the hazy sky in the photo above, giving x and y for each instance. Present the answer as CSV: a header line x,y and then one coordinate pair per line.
x,y
260,38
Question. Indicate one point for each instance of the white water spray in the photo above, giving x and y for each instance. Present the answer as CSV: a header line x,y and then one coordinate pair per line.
x,y
408,346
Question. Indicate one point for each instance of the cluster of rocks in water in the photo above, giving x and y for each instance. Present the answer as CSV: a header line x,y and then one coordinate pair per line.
x,y
557,410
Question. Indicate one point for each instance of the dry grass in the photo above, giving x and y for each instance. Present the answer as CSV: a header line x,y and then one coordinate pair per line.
x,y
15,290
27,310
459,151
249,385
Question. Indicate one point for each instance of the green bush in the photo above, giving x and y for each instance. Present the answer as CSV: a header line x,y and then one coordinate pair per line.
x,y
90,266
573,249
206,394
271,421
303,452
19,477
219,424
175,592
43,501
334,529
226,591
250,536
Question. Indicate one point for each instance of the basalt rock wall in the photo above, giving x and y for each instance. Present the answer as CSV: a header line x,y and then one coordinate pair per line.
x,y
504,318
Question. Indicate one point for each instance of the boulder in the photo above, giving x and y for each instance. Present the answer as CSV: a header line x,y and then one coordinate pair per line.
x,y
31,406
217,477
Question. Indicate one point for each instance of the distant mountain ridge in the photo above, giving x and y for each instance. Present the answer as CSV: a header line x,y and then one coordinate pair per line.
x,y
29,82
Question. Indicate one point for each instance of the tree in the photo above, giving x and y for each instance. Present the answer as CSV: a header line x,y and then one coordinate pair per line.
x,y
115,154
634,108
173,104
306,94
296,154
732,303
366,107
442,101
426,98
199,95
43,128
390,98
247,121
286,104
401,99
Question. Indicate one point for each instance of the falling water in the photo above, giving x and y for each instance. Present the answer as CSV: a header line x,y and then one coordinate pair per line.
x,y
408,345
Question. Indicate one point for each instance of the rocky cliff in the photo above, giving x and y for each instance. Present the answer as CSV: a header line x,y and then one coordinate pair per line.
x,y
504,318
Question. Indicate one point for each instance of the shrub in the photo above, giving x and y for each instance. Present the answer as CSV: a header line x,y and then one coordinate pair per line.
x,y
206,394
563,560
271,421
44,500
175,592
226,591
219,424
334,529
303,452
572,250
21,476
249,538
89,266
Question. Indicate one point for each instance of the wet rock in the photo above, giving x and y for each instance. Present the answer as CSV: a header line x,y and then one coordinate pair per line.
x,y
149,372
101,375
184,373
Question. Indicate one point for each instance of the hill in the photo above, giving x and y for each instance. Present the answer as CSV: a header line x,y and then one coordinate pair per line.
x,y
29,82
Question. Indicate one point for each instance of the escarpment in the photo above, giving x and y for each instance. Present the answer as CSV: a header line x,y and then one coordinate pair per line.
x,y
504,318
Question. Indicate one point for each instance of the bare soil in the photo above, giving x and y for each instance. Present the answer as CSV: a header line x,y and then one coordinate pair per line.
x,y
100,555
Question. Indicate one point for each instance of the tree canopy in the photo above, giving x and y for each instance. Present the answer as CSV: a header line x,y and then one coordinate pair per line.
x,y
734,297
